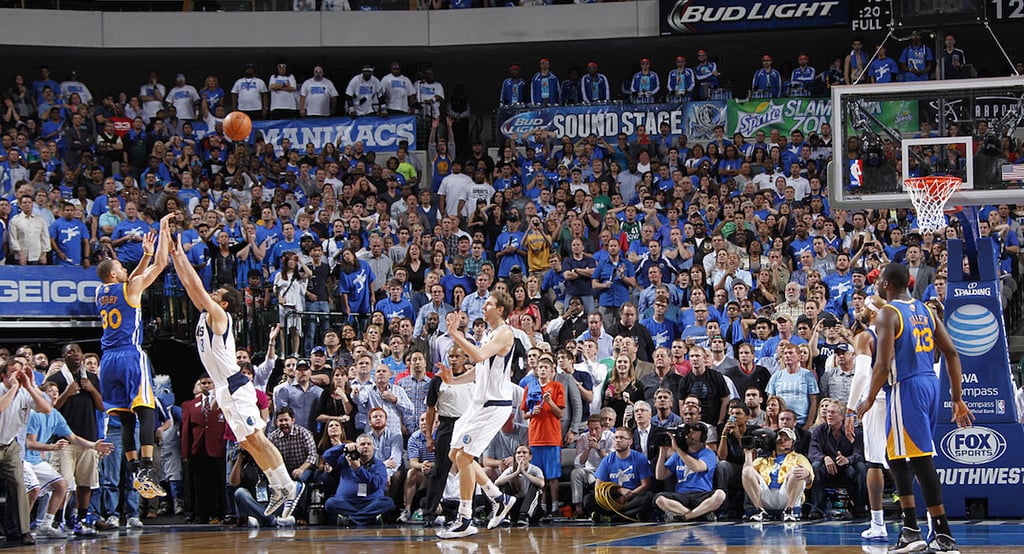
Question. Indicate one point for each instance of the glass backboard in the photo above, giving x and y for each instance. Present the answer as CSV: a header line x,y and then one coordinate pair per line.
x,y
888,132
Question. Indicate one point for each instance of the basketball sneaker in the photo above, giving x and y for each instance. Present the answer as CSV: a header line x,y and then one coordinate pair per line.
x,y
944,544
292,500
462,527
910,541
146,486
500,508
875,533
278,497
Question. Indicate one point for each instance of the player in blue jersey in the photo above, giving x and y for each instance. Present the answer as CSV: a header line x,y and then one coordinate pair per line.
x,y
126,378
908,334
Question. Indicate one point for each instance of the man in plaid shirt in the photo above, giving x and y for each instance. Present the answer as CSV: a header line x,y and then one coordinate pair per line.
x,y
416,385
421,465
298,449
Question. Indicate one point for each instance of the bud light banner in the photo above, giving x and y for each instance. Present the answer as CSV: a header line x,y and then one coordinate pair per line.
x,y
689,17
378,134
47,291
693,119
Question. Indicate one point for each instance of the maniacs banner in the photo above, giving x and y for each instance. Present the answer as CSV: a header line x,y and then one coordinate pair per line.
x,y
694,119
808,114
47,291
685,17
378,134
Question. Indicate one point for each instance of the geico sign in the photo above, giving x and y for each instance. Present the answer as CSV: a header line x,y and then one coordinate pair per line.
x,y
973,445
37,291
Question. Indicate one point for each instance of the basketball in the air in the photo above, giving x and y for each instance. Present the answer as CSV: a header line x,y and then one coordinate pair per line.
x,y
237,126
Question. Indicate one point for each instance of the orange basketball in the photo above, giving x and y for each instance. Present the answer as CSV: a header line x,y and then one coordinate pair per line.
x,y
237,126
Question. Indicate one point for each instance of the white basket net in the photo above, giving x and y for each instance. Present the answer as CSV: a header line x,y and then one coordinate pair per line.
x,y
929,196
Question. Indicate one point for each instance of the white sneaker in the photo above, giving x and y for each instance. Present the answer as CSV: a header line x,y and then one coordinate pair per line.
x,y
114,521
462,527
135,523
874,533
253,523
284,521
49,532
404,517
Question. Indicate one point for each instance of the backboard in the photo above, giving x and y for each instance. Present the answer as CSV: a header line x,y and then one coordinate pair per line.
x,y
885,133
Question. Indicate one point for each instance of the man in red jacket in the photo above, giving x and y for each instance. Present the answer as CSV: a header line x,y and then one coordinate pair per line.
x,y
203,451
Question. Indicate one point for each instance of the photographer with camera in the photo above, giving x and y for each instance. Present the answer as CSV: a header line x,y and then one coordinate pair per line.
x,y
362,481
774,476
694,466
730,453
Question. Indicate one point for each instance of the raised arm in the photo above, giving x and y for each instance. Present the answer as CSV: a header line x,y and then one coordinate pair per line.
x,y
143,277
501,343
216,317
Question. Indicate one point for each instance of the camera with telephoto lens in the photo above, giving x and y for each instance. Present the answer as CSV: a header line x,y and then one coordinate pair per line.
x,y
663,435
353,454
761,441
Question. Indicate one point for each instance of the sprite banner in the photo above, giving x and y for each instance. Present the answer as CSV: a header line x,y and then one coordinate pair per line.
x,y
808,114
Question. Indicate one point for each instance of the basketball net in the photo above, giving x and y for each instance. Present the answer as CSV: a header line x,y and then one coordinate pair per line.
x,y
929,196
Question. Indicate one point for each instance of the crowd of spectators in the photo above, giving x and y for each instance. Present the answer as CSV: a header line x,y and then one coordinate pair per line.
x,y
670,298
704,81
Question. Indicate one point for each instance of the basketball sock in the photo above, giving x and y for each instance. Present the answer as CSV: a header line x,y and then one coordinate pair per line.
x,y
133,466
491,490
48,520
941,524
279,476
910,518
878,518
466,509
147,463
83,515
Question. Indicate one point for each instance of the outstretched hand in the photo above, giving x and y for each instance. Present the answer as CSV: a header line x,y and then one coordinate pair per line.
x,y
445,373
962,415
149,243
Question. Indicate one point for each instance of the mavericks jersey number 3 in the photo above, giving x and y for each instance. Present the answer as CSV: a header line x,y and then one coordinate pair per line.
x,y
914,346
217,352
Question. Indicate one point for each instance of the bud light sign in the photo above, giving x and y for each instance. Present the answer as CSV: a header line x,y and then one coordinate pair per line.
x,y
684,17
525,123
973,445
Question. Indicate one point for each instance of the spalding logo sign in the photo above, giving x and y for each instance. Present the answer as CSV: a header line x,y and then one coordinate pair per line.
x,y
525,123
973,445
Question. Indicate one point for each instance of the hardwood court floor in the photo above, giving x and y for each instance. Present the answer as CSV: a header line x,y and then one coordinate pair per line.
x,y
989,537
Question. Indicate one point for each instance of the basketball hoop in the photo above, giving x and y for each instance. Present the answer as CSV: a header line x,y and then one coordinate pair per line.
x,y
929,195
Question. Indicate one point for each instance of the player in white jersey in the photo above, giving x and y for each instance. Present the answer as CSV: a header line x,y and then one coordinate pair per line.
x,y
873,422
491,406
236,396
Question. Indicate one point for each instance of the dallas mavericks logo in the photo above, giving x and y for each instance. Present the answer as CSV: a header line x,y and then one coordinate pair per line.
x,y
974,329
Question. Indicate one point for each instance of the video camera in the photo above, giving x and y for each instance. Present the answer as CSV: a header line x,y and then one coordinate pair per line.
x,y
761,441
663,435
